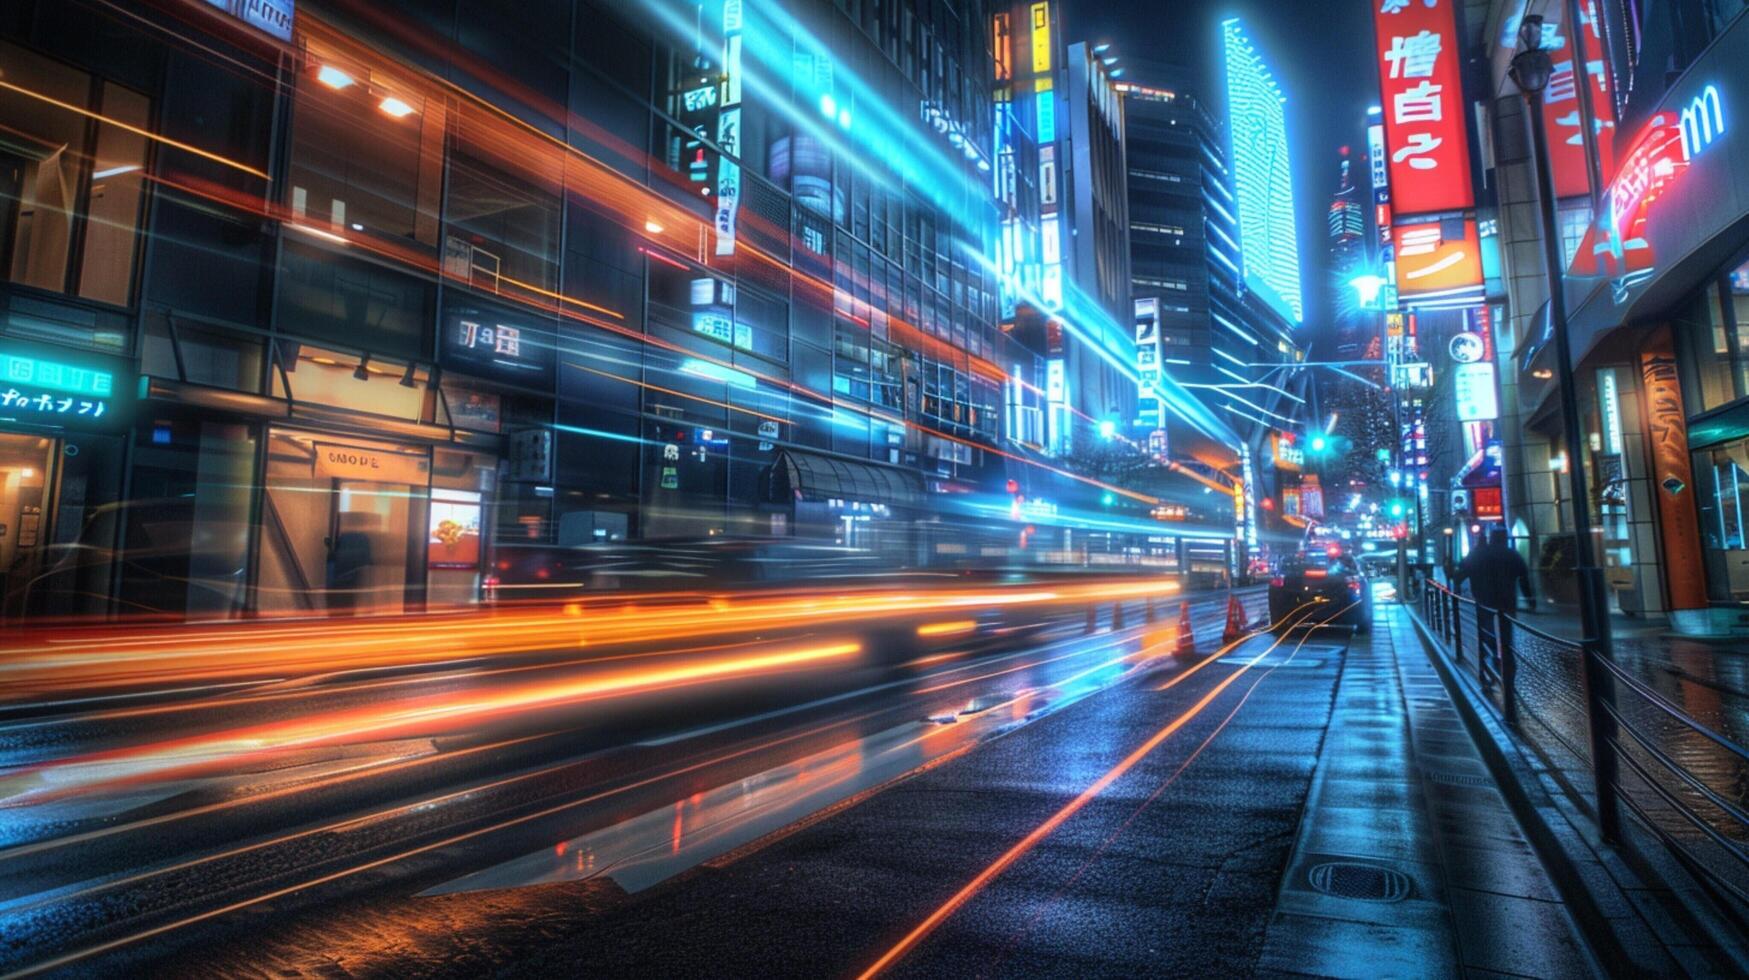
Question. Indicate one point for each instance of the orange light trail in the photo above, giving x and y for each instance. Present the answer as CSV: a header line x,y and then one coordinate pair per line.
x,y
950,628
45,660
404,718
137,131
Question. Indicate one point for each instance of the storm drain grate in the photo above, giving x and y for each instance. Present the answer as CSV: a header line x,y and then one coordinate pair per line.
x,y
1366,882
1456,778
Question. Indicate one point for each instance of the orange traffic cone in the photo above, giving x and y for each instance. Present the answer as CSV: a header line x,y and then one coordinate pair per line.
x,y
1235,630
1186,636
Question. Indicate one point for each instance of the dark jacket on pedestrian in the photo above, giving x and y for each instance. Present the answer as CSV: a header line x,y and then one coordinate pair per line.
x,y
1495,571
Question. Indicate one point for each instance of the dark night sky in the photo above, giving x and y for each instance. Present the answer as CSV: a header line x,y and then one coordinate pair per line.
x,y
1321,52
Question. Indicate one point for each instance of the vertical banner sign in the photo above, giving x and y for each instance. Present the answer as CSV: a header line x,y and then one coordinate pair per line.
x,y
1150,360
729,130
1419,80
1672,472
1562,107
1473,389
1148,350
1376,157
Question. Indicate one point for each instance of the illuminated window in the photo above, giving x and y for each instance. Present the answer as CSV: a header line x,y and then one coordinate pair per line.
x,y
1574,223
503,210
47,151
359,165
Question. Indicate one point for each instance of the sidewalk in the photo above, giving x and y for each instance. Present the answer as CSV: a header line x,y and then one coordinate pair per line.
x,y
1708,677
1639,906
1408,859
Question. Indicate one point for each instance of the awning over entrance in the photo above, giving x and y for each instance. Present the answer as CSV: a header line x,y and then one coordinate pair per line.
x,y
810,476
1724,424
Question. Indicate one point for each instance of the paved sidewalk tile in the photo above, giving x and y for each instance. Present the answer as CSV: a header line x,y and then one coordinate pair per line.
x,y
1408,861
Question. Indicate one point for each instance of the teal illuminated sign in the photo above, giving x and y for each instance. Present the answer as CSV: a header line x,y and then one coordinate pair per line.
x,y
50,391
17,369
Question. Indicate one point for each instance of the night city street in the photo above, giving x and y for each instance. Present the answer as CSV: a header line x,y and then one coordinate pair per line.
x,y
850,488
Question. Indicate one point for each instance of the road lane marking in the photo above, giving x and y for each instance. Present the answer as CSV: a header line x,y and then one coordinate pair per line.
x,y
1044,830
1184,766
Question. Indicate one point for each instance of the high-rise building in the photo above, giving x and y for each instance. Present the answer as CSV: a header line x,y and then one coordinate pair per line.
x,y
1262,172
1056,109
1358,396
1185,258
1348,223
1100,362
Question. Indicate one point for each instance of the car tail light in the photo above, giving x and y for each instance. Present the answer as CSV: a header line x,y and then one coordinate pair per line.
x,y
1354,586
1277,582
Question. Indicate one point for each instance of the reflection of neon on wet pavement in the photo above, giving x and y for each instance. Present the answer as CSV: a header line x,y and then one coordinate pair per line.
x,y
648,849
1044,830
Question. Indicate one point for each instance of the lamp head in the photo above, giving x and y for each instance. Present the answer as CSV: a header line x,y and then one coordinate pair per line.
x,y
1530,33
1531,66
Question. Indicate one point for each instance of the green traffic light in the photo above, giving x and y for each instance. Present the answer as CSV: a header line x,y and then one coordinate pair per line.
x,y
1320,443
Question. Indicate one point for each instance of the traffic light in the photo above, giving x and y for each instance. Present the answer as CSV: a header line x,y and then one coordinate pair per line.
x,y
1398,508
1319,442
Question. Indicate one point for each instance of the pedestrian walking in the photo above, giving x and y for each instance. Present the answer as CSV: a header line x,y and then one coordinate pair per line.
x,y
1497,575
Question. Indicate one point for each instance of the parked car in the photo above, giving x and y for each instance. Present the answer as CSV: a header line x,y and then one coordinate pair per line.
x,y
1331,583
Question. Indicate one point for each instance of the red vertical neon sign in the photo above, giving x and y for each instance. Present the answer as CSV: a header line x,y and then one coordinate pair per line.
x,y
1562,109
1419,79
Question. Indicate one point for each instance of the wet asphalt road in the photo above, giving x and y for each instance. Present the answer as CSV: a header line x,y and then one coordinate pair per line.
x,y
755,837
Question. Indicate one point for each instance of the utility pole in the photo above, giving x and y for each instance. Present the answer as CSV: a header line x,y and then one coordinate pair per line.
x,y
1530,70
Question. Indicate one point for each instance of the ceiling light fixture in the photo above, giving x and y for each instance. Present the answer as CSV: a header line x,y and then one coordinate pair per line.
x,y
333,77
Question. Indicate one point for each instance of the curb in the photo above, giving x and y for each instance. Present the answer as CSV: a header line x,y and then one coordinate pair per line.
x,y
1619,939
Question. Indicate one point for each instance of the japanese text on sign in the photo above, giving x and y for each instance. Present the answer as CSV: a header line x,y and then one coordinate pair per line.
x,y
1419,79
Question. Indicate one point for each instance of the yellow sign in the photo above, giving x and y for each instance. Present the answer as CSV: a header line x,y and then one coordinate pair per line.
x,y
374,465
1041,37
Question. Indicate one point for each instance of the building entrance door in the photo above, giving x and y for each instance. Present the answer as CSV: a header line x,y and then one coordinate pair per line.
x,y
26,481
343,525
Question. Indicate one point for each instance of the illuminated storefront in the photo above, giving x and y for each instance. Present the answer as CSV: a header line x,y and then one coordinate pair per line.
x,y
1659,293
60,456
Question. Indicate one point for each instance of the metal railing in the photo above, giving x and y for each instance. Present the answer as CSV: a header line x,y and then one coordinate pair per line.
x,y
1613,742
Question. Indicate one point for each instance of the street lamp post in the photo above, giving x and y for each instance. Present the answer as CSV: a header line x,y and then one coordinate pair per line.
x,y
1530,71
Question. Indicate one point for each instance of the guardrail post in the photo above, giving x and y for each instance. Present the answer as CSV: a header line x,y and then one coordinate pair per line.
x,y
1092,617
1482,615
1117,616
1600,691
1457,629
1148,610
1508,668
1456,625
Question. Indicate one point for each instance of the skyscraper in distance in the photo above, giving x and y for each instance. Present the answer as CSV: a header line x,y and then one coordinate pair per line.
x,y
1262,172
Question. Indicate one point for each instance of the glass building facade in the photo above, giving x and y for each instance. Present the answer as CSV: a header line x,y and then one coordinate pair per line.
x,y
1262,171
384,307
